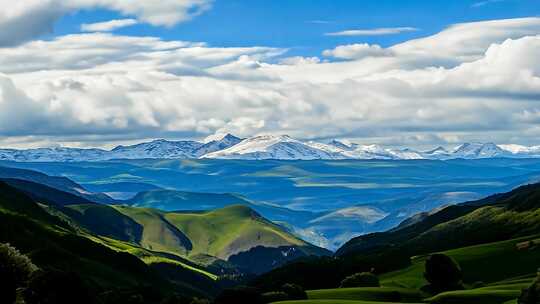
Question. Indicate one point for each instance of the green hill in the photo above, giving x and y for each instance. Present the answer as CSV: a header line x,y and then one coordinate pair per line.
x,y
55,182
53,243
496,218
225,234
482,235
228,231
182,200
221,233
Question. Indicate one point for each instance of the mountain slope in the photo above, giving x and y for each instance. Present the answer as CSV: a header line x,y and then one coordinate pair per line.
x,y
219,233
156,149
51,243
271,147
45,194
498,217
56,182
217,143
171,200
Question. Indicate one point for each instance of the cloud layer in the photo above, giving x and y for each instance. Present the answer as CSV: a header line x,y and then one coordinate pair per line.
x,y
374,32
21,21
107,26
476,81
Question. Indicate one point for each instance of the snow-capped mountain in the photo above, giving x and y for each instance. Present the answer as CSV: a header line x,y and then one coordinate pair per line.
x,y
57,154
479,150
437,153
272,147
217,143
227,146
522,150
156,149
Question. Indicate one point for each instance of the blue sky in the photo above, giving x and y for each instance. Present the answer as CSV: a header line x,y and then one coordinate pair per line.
x,y
301,25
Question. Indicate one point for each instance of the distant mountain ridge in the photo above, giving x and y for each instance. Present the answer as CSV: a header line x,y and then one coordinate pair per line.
x,y
280,147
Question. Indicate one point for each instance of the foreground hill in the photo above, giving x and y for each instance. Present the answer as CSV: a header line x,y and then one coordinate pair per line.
x,y
52,243
484,283
498,217
494,220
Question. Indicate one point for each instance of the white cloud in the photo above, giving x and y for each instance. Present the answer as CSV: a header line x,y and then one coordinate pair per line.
x,y
374,32
23,20
358,51
484,3
90,89
107,26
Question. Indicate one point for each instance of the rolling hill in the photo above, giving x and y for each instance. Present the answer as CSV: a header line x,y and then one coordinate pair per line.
x,y
220,233
201,238
495,239
495,218
53,243
59,183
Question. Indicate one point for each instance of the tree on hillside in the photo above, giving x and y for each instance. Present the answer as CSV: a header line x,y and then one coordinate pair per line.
x,y
57,287
442,273
531,295
294,291
15,270
362,279
241,294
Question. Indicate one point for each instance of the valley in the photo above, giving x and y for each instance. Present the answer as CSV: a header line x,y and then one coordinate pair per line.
x,y
323,202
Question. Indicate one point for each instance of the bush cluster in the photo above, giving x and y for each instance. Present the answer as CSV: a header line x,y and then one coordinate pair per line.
x,y
362,279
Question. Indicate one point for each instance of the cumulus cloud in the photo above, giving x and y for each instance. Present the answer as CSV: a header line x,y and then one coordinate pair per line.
x,y
24,20
358,51
374,32
96,87
107,26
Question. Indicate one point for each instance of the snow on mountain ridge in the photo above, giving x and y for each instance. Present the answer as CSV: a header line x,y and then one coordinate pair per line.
x,y
271,147
227,146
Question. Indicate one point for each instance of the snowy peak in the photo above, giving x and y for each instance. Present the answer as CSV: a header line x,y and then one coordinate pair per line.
x,y
160,148
227,146
438,150
341,145
271,147
478,150
217,143
220,137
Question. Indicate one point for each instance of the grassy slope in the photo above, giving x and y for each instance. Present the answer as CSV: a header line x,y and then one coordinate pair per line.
x,y
332,302
379,294
230,230
158,234
496,218
220,233
489,263
181,200
51,243
502,266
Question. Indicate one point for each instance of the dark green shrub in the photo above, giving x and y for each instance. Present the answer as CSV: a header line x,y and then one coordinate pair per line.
x,y
176,299
442,273
15,271
57,287
531,295
294,291
362,279
274,296
238,295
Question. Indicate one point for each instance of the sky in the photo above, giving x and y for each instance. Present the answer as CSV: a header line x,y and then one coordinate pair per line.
x,y
97,73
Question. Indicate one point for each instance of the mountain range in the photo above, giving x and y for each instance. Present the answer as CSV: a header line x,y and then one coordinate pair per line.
x,y
282,147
